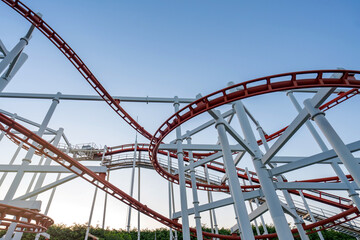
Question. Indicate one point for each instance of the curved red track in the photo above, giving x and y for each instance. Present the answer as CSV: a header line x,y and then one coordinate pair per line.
x,y
35,221
259,86
250,88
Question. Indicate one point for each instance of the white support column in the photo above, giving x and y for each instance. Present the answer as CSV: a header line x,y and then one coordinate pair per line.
x,y
335,141
182,183
351,189
54,189
11,162
139,229
257,202
297,220
105,201
131,186
10,231
14,59
252,209
210,199
235,189
48,161
267,186
195,194
310,213
91,214
27,160
169,189
31,183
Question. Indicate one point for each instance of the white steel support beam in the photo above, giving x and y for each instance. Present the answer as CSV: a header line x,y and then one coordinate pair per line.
x,y
105,201
235,189
335,141
47,169
311,186
26,161
11,162
197,216
94,98
317,158
311,214
226,114
200,147
301,118
297,220
169,195
128,218
48,161
91,214
220,203
213,221
256,202
47,187
266,183
351,191
13,59
182,184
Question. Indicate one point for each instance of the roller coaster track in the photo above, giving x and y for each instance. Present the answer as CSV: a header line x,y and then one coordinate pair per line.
x,y
35,221
316,195
248,89
71,55
332,103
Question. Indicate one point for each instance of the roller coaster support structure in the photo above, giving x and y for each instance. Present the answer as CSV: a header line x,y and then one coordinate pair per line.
x,y
14,59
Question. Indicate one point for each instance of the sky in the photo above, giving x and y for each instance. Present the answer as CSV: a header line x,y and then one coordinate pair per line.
x,y
166,49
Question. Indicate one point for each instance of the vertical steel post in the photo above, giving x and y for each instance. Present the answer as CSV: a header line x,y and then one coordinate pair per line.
x,y
139,231
197,216
267,186
182,182
210,199
235,189
311,214
105,201
252,209
10,231
91,214
34,175
11,162
48,160
169,189
257,202
131,186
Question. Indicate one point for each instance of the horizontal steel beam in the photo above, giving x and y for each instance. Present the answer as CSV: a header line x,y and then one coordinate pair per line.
x,y
46,169
220,203
312,186
355,146
94,97
199,147
47,187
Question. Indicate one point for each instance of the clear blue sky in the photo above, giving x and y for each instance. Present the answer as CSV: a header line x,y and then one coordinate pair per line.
x,y
168,48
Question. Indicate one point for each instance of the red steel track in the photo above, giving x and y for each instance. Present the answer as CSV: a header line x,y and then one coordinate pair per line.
x,y
248,89
35,221
70,54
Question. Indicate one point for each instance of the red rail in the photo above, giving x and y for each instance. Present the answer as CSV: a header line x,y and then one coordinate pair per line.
x,y
71,55
35,221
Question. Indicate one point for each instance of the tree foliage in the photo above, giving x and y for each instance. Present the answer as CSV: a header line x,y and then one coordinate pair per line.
x,y
77,232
